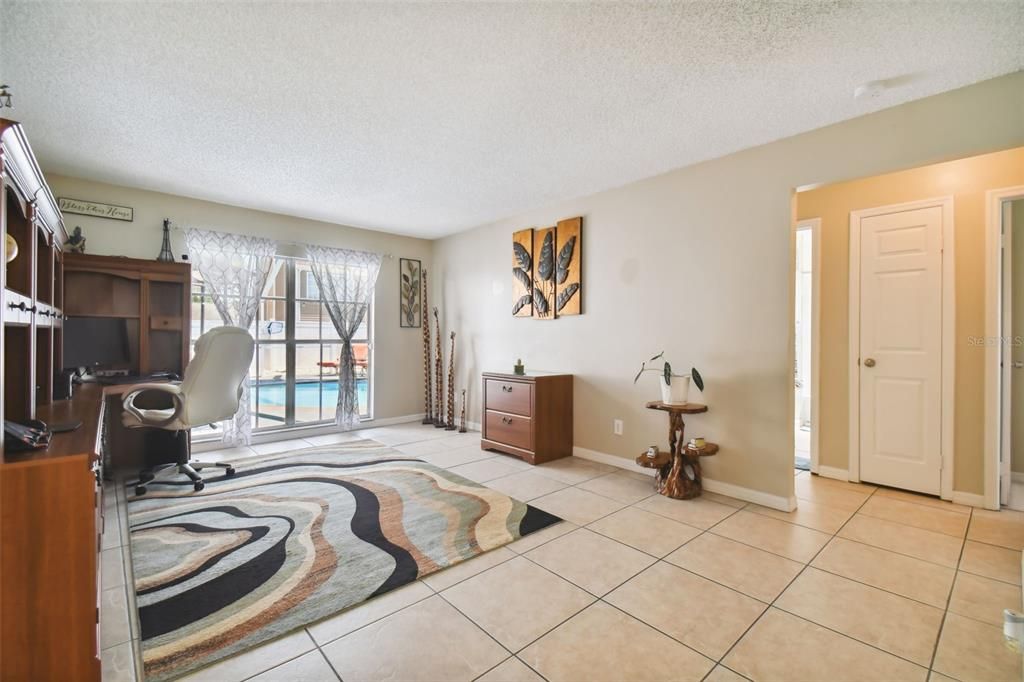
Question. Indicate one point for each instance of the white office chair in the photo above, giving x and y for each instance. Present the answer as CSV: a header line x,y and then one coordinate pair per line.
x,y
210,392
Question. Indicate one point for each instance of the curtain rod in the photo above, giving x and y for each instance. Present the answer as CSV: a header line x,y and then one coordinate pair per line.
x,y
178,228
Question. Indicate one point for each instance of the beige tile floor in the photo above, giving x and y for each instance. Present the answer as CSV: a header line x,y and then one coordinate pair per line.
x,y
860,583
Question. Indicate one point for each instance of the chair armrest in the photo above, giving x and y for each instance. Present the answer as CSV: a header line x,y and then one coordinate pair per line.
x,y
174,390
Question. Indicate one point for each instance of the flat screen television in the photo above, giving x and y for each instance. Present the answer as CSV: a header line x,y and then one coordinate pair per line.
x,y
96,342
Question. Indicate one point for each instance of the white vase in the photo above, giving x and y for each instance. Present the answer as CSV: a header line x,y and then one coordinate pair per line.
x,y
676,393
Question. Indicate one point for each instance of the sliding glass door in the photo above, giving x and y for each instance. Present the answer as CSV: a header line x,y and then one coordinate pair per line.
x,y
295,369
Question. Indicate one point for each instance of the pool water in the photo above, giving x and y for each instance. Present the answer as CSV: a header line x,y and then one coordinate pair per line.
x,y
307,393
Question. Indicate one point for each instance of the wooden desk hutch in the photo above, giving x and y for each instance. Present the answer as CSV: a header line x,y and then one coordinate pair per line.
x,y
51,507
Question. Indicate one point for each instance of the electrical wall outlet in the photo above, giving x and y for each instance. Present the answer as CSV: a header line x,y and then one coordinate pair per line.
x,y
617,427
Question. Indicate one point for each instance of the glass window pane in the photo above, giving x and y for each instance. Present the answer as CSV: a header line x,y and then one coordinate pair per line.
x,y
272,359
305,283
307,320
327,330
331,355
271,326
278,279
204,315
307,382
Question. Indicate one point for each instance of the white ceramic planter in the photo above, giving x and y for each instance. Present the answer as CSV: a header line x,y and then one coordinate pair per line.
x,y
676,393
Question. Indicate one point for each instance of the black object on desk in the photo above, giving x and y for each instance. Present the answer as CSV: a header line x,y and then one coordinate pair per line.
x,y
21,437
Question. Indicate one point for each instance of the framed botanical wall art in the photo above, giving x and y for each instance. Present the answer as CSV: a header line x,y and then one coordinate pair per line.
x,y
568,259
547,270
544,273
522,273
411,305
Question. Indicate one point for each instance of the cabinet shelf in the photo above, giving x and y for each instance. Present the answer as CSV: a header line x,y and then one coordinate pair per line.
x,y
153,297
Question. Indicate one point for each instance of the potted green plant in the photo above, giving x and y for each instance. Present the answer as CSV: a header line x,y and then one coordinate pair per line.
x,y
672,392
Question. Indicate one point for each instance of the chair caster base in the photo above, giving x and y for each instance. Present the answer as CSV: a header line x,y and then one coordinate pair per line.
x,y
229,472
140,490
198,485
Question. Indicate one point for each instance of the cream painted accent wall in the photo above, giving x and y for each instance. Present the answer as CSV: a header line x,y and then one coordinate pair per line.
x,y
698,262
966,180
1017,322
397,353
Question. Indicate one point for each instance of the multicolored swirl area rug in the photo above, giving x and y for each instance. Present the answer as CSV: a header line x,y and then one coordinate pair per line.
x,y
297,537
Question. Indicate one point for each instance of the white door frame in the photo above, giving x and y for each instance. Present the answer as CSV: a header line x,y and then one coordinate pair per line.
x,y
993,336
948,333
814,225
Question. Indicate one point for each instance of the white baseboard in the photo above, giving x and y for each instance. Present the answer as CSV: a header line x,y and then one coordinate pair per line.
x,y
389,421
611,460
968,499
721,487
833,472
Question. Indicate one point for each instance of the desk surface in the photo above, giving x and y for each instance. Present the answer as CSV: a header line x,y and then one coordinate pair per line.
x,y
86,407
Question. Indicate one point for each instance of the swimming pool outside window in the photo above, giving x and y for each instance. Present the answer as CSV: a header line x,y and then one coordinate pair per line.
x,y
295,367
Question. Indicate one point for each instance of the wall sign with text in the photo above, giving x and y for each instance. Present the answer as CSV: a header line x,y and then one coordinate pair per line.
x,y
96,209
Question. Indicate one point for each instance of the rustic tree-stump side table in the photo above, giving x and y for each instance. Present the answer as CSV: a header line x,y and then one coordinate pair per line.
x,y
678,470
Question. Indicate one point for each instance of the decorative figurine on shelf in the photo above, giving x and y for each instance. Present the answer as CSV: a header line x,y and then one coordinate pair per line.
x,y
428,415
518,368
166,255
10,248
462,417
76,242
438,376
450,402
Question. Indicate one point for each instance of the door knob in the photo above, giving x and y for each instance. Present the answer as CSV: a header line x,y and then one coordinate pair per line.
x,y
869,362
1017,364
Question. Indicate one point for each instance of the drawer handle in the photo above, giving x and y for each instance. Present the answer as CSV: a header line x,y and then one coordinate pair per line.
x,y
506,420
507,389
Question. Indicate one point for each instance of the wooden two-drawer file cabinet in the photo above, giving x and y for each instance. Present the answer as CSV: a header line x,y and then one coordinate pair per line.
x,y
529,416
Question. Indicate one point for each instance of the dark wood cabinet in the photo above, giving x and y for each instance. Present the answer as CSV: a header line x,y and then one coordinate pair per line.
x,y
529,416
153,298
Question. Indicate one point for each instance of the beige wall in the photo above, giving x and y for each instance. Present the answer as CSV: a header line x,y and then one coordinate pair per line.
x,y
698,262
1017,321
397,355
966,180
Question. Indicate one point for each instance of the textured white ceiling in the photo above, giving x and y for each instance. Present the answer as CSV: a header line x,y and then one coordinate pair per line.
x,y
426,119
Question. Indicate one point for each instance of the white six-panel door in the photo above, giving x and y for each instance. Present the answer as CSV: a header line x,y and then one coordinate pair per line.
x,y
901,349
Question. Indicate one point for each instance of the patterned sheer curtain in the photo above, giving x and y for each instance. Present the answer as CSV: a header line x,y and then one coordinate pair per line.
x,y
346,280
234,269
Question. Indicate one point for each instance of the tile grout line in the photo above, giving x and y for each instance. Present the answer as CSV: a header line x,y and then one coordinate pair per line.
x,y
322,655
790,584
949,598
601,599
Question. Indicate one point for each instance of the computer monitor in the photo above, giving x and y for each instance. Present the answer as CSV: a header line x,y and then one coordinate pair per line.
x,y
96,342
